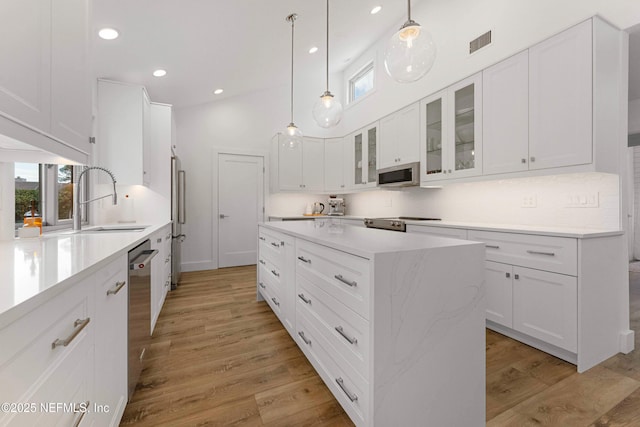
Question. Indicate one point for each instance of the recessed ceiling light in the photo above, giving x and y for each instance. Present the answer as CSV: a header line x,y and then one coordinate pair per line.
x,y
108,34
218,91
313,49
159,73
376,10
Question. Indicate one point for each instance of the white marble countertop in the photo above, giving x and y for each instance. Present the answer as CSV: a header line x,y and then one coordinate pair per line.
x,y
364,242
580,233
294,217
34,270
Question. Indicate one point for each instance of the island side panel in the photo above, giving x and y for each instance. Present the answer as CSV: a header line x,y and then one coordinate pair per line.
x,y
603,300
429,337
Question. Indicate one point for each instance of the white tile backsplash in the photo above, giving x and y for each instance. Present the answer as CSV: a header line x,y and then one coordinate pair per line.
x,y
501,201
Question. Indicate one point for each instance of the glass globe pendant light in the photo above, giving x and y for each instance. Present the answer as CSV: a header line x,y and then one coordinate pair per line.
x,y
410,52
327,111
292,135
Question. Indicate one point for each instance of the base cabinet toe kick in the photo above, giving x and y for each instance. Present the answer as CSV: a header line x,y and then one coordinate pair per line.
x,y
396,336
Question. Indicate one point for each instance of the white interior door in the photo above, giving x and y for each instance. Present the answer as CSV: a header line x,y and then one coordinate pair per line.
x,y
240,203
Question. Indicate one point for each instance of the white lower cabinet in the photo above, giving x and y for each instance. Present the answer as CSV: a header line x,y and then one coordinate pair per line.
x,y
68,356
545,306
111,296
362,323
160,271
499,285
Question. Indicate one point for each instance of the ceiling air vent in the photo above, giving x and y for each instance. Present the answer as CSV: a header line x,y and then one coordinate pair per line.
x,y
480,42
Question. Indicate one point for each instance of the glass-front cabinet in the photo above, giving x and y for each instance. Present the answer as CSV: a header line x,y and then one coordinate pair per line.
x,y
362,149
451,143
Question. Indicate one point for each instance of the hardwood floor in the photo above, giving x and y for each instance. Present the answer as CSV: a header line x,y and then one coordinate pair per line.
x,y
220,358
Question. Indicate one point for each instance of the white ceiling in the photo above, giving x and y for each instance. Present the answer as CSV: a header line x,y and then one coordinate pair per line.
x,y
238,45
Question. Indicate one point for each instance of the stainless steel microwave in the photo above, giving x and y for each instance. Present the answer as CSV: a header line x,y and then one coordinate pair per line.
x,y
406,175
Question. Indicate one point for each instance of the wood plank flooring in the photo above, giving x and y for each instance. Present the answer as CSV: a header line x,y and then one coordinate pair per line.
x,y
220,358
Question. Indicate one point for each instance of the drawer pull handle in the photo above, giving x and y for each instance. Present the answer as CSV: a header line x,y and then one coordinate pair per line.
x,y
262,285
352,340
79,325
119,285
541,253
516,276
262,238
345,281
508,275
82,408
303,259
275,244
352,397
262,262
302,297
275,301
306,340
275,273
159,240
493,246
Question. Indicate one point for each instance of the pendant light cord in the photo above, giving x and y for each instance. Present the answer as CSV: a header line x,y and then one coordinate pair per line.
x,y
293,19
409,9
327,45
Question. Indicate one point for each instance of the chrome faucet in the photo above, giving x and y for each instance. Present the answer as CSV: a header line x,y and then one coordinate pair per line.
x,y
77,212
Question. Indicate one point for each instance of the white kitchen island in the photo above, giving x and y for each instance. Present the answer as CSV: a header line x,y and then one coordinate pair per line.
x,y
394,323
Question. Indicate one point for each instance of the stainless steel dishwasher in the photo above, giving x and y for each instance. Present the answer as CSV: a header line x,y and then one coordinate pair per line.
x,y
139,309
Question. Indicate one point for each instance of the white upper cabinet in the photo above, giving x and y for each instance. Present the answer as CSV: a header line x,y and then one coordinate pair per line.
x,y
334,170
300,167
25,75
70,84
400,137
362,157
158,149
505,109
452,124
560,99
44,84
123,131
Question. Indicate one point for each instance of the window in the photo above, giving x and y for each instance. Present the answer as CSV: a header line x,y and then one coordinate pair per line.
x,y
49,189
361,83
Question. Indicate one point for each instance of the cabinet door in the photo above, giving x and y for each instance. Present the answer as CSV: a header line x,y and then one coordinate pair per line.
x,y
388,141
333,165
505,109
157,277
111,347
433,137
560,99
70,85
313,164
160,143
408,134
289,166
147,140
545,306
370,156
349,169
465,128
498,280
25,75
358,149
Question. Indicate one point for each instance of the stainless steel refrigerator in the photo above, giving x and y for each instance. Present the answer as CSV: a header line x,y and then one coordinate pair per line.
x,y
178,218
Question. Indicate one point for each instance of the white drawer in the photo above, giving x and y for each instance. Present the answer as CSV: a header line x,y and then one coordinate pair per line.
x,y
456,233
353,391
272,246
268,270
32,336
68,383
343,276
557,254
347,332
272,297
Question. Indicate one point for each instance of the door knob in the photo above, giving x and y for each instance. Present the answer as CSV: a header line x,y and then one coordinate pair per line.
x,y
223,216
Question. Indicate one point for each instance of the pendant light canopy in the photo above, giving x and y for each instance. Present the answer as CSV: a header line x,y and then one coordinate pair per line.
x,y
410,53
293,135
327,111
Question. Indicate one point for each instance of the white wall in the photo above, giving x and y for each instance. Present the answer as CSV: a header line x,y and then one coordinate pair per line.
x,y
500,202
